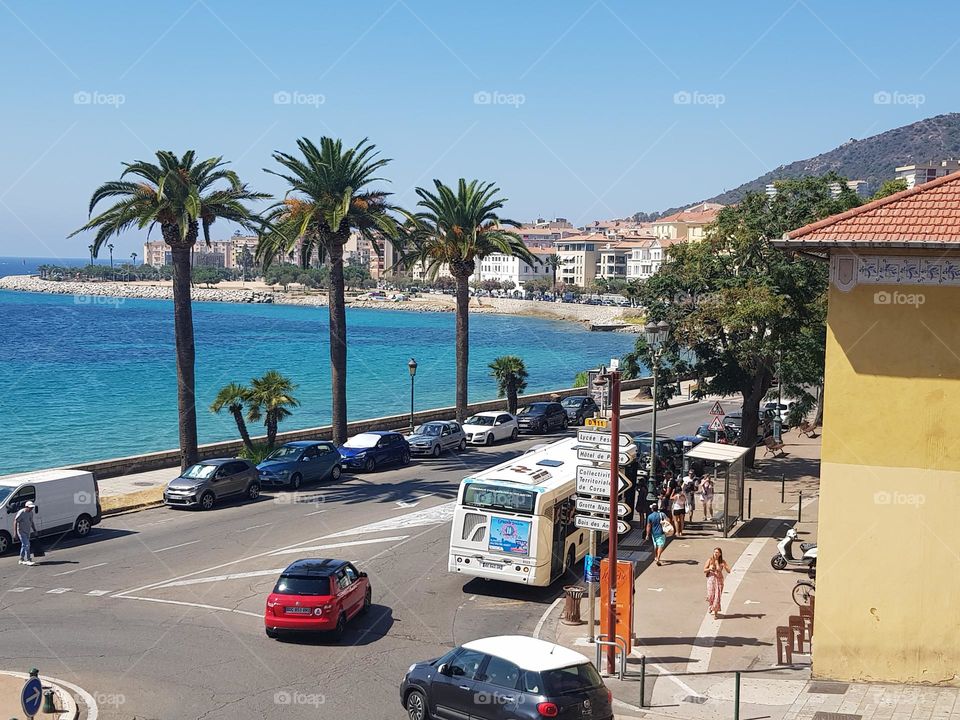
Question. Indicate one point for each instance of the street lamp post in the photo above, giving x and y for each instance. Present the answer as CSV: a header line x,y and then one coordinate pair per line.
x,y
412,366
777,419
656,336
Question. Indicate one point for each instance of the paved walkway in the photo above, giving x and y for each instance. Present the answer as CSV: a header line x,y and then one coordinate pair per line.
x,y
11,684
691,659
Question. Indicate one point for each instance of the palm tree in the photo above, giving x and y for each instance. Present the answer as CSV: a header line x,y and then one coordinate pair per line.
x,y
511,376
269,397
325,202
233,397
180,196
456,229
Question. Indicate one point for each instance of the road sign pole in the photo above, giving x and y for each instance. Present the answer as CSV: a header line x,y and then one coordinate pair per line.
x,y
614,386
592,590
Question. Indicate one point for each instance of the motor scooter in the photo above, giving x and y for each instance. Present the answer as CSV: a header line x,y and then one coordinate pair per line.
x,y
784,557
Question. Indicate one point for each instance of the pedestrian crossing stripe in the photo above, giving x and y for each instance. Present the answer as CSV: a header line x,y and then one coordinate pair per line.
x,y
20,589
58,591
98,593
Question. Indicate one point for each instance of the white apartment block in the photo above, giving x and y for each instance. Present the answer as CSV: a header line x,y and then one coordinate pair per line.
x,y
502,267
920,173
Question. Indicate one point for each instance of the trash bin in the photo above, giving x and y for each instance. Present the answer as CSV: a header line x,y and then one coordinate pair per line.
x,y
571,607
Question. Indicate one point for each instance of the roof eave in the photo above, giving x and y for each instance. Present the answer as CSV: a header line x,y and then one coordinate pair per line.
x,y
827,245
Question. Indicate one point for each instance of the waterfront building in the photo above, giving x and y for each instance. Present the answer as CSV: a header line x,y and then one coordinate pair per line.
x,y
220,253
687,225
502,268
920,173
577,257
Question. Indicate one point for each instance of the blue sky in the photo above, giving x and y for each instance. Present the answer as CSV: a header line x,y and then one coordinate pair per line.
x,y
585,110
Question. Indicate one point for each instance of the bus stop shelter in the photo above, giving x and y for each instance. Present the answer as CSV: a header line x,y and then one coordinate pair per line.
x,y
726,463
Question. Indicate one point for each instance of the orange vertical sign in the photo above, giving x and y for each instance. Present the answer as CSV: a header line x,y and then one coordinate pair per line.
x,y
624,604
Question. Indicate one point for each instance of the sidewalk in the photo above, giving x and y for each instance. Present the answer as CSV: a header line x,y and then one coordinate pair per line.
x,y
691,659
11,684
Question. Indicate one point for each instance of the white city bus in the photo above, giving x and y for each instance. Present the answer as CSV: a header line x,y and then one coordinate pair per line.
x,y
514,521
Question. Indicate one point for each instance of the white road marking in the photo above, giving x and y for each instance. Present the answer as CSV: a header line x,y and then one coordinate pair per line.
x,y
317,512
254,527
58,591
431,516
543,618
71,572
662,671
709,627
19,589
656,589
220,578
174,547
417,499
751,602
332,546
190,604
665,427
98,593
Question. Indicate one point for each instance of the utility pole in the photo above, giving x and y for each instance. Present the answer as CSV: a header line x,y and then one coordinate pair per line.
x,y
614,386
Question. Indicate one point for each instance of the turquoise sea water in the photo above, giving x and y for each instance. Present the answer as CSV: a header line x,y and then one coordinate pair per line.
x,y
89,381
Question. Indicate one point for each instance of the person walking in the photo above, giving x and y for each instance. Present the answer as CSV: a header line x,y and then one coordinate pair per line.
x,y
655,532
679,510
24,526
714,568
706,497
690,483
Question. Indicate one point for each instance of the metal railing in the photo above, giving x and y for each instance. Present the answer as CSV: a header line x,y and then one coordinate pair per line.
x,y
618,644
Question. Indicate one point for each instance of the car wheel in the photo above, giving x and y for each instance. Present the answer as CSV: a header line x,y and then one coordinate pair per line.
x,y
370,465
295,480
564,425
463,445
5,543
83,526
367,601
436,451
253,492
488,440
271,633
338,631
405,458
206,500
515,434
416,706
336,472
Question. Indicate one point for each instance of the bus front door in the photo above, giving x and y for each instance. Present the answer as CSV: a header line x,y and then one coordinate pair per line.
x,y
561,517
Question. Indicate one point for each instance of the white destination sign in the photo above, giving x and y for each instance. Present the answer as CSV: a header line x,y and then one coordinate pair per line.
x,y
601,438
596,481
625,456
601,524
601,506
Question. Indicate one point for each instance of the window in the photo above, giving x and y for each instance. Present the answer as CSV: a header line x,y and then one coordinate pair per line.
x,y
352,575
501,672
28,492
466,664
531,682
343,582
573,679
302,585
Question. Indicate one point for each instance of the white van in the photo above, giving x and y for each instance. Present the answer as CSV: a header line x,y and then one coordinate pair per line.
x,y
65,499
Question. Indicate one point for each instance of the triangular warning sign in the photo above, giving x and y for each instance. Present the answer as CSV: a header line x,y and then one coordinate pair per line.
x,y
716,425
717,409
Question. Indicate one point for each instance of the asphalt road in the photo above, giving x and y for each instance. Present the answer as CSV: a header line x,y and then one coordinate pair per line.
x,y
158,614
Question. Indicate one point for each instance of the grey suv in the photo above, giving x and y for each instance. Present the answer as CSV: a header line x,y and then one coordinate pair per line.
x,y
542,417
209,481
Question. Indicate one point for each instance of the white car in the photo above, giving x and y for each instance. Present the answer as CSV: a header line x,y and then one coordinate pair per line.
x,y
486,428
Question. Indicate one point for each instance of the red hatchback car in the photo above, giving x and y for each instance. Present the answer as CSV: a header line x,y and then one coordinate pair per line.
x,y
316,595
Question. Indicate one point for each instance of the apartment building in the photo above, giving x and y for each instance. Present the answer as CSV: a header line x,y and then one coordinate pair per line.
x,y
502,268
687,225
920,173
577,258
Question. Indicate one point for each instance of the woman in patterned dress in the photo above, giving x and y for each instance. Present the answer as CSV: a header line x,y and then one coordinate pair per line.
x,y
713,568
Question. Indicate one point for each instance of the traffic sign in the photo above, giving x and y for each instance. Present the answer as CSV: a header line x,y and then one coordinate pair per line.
x,y
591,437
596,481
31,696
626,454
589,522
717,424
601,507
717,409
596,422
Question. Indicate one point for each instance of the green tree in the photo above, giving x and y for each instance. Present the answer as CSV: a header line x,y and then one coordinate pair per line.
x,y
750,301
890,187
457,228
328,198
206,275
270,397
671,367
233,397
183,197
538,286
581,379
490,285
507,285
511,375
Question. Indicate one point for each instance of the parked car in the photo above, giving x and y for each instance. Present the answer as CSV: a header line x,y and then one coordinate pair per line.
x,y
728,435
770,410
210,481
316,595
486,428
520,677
579,408
298,462
433,438
65,500
368,451
541,417
669,451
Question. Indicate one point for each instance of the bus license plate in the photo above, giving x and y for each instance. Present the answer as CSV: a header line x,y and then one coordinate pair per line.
x,y
491,566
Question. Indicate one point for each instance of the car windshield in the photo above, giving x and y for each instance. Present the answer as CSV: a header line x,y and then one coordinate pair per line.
x,y
430,429
363,440
303,585
533,410
573,679
200,471
572,402
479,420
287,452
5,493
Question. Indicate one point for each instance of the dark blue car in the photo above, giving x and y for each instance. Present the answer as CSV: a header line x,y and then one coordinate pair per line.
x,y
298,462
368,451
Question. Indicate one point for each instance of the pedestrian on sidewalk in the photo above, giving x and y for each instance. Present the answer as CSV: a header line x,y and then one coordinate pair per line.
x,y
679,510
706,497
690,483
24,526
713,568
655,532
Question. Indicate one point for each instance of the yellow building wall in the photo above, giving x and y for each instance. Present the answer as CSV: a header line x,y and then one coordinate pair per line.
x,y
888,569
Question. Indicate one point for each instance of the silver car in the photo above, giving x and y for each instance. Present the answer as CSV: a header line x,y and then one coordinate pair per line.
x,y
209,481
433,438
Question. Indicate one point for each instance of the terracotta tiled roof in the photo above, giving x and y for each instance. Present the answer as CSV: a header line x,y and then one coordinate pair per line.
x,y
703,213
923,216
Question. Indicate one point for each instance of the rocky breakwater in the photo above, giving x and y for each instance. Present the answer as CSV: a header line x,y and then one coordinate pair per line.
x,y
92,292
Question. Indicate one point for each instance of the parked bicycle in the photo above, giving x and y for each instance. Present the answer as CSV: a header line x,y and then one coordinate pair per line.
x,y
803,592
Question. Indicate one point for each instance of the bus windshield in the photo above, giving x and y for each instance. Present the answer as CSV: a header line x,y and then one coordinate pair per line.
x,y
497,497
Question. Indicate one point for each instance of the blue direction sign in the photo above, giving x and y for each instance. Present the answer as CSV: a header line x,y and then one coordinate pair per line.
x,y
31,696
591,569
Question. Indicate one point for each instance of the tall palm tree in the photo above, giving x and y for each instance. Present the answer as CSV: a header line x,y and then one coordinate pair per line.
x,y
325,202
511,375
233,397
182,196
457,228
270,397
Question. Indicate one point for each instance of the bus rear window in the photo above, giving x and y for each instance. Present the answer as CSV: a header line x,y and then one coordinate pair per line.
x,y
491,497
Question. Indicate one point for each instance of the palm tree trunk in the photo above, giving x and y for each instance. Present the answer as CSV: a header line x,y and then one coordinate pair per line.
x,y
512,398
186,355
271,431
242,427
338,343
463,344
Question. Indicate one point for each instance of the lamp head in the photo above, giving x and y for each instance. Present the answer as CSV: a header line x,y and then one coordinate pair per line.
x,y
412,365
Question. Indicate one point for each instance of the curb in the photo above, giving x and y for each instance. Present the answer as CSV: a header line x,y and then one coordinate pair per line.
x,y
63,699
137,507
